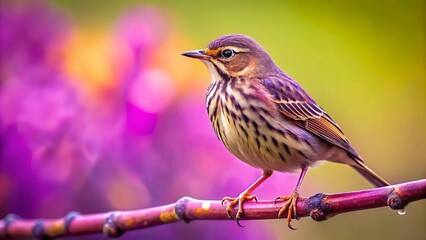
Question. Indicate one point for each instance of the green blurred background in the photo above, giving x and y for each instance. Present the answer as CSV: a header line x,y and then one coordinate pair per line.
x,y
364,62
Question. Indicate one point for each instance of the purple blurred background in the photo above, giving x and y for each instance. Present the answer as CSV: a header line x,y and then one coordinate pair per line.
x,y
99,139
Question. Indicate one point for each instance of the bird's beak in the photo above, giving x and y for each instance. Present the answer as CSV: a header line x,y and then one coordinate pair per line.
x,y
198,54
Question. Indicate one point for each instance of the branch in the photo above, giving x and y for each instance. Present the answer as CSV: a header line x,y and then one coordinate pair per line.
x,y
319,207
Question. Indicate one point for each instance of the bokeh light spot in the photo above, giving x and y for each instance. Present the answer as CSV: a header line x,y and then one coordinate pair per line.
x,y
152,91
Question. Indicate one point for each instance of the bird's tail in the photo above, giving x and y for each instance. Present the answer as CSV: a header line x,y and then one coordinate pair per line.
x,y
370,175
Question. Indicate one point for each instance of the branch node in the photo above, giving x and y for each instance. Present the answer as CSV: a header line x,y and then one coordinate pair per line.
x,y
38,230
110,228
180,209
318,215
8,220
68,220
318,208
395,201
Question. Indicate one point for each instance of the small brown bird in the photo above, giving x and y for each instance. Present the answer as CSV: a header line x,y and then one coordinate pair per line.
x,y
267,120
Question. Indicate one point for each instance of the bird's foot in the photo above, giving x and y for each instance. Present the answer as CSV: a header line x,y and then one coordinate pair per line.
x,y
232,202
290,206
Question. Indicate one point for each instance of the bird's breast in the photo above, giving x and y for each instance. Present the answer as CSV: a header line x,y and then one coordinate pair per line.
x,y
251,129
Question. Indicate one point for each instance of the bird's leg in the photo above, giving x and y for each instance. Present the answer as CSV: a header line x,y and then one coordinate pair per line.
x,y
244,196
291,201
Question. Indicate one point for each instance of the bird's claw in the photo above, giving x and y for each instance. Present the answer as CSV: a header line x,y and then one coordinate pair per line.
x,y
275,202
232,202
290,206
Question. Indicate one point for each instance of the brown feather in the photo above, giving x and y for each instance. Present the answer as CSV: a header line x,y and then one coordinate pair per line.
x,y
297,105
294,103
327,129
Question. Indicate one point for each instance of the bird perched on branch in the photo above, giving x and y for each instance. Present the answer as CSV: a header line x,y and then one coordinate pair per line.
x,y
267,120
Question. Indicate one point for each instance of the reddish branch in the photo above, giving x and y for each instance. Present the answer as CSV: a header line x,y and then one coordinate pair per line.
x,y
113,224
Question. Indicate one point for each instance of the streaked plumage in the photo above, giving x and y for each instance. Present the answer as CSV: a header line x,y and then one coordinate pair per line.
x,y
266,119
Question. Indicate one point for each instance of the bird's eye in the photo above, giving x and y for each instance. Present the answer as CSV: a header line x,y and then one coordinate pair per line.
x,y
227,53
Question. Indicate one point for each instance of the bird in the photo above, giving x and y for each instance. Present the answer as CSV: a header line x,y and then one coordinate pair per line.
x,y
267,120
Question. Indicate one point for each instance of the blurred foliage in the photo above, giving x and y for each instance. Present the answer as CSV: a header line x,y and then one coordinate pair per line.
x,y
98,110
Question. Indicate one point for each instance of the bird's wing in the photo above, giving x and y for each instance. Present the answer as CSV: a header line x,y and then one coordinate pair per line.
x,y
294,103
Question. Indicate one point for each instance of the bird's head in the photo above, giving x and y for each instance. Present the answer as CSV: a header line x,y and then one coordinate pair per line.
x,y
235,56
